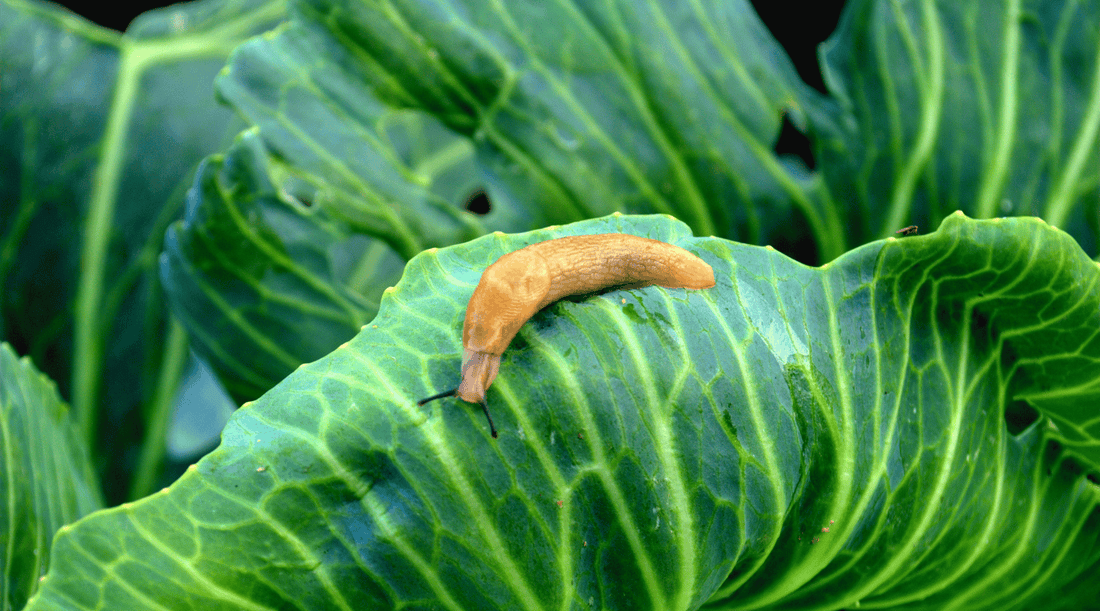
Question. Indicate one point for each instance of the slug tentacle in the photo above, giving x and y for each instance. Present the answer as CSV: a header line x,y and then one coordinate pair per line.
x,y
522,282
454,393
446,393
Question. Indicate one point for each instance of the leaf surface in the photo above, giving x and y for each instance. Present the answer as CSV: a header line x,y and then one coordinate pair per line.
x,y
46,476
992,109
100,132
265,285
794,437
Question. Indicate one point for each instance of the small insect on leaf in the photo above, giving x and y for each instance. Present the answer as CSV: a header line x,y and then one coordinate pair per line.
x,y
910,230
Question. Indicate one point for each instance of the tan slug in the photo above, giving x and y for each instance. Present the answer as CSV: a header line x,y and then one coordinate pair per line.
x,y
522,282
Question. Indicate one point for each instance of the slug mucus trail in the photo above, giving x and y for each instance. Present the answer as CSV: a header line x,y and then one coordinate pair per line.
x,y
522,282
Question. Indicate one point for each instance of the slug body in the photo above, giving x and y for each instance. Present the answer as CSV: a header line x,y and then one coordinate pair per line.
x,y
521,283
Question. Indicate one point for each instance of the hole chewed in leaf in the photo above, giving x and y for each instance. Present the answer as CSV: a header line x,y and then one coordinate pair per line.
x,y
478,202
793,142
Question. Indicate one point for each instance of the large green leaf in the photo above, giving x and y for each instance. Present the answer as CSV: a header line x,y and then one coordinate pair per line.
x,y
292,235
396,175
793,438
571,111
667,106
990,108
46,477
99,133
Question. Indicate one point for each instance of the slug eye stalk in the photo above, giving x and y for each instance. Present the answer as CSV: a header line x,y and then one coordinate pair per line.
x,y
454,393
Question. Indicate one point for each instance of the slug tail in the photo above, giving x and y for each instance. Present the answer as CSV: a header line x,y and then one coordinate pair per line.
x,y
688,272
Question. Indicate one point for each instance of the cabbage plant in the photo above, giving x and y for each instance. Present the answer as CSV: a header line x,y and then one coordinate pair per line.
x,y
900,415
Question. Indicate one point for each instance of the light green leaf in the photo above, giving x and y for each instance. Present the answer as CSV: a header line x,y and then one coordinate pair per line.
x,y
793,438
46,477
99,133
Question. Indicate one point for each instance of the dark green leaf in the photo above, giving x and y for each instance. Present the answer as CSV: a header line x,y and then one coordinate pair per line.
x,y
989,108
100,132
273,266
571,111
396,175
263,285
46,478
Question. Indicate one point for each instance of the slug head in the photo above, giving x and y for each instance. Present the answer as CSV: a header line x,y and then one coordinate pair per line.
x,y
478,372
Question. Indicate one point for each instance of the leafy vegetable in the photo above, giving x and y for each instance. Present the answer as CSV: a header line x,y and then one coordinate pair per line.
x,y
989,109
820,437
46,483
794,438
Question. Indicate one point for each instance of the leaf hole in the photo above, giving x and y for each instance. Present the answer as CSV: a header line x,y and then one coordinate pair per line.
x,y
793,142
797,243
800,32
478,202
298,192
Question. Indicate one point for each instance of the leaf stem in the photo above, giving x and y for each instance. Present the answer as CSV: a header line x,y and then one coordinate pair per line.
x,y
88,327
160,412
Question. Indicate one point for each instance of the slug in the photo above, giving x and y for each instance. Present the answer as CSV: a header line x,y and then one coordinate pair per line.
x,y
522,282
